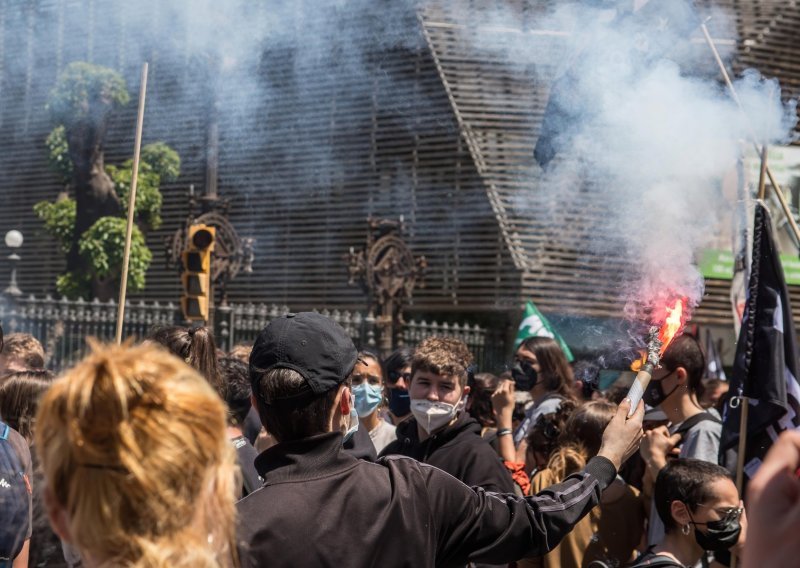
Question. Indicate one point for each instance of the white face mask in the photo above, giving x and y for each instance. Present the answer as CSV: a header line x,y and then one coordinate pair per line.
x,y
434,415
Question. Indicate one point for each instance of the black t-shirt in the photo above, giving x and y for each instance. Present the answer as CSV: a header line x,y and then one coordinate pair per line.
x,y
246,456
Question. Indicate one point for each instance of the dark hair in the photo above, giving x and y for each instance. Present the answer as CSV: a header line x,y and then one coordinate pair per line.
x,y
296,412
368,354
555,370
685,351
483,385
396,362
236,384
589,375
686,480
545,433
19,399
195,345
26,348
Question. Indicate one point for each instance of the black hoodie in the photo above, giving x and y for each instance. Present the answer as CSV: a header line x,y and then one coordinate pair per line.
x,y
459,450
320,506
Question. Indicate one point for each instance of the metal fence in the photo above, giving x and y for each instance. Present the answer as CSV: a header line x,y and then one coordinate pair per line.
x,y
63,326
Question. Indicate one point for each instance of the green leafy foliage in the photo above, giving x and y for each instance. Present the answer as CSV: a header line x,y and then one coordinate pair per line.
x,y
148,196
74,285
103,246
82,92
87,93
59,220
58,157
159,163
163,160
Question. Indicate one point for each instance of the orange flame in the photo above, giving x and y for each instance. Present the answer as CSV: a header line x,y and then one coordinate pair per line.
x,y
672,324
670,329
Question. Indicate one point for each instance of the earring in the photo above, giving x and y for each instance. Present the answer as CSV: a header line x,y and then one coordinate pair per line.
x,y
686,529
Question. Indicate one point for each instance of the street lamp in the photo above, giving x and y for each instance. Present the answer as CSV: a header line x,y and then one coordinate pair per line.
x,y
13,241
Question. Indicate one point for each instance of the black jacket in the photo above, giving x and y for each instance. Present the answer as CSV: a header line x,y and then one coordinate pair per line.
x,y
322,507
459,450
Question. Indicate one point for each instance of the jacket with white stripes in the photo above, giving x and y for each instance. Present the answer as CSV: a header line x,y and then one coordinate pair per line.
x,y
322,507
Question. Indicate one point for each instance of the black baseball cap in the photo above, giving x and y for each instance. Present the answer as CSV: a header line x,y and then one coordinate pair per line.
x,y
313,345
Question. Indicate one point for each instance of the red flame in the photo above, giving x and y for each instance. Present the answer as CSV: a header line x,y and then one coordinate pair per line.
x,y
670,329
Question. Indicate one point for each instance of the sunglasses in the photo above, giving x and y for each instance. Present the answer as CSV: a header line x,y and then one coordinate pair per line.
x,y
395,376
728,514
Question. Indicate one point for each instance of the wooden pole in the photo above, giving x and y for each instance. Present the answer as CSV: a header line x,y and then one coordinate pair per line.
x,y
745,406
762,178
123,288
735,96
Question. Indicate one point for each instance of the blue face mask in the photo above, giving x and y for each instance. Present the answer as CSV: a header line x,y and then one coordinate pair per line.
x,y
368,398
353,420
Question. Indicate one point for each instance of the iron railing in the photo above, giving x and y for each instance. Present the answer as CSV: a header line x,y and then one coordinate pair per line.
x,y
64,325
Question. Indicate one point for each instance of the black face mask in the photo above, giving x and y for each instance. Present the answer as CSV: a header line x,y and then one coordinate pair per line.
x,y
399,402
654,395
719,535
524,375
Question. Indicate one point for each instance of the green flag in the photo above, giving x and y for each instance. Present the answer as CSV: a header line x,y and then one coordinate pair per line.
x,y
534,324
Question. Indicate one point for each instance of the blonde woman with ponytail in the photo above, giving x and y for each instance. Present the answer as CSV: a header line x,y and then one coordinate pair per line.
x,y
138,470
614,528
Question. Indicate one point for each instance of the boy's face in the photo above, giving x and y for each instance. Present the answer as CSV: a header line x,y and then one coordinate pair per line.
x,y
436,388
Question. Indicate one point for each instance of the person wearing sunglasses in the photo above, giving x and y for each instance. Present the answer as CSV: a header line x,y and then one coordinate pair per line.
x,y
397,370
701,511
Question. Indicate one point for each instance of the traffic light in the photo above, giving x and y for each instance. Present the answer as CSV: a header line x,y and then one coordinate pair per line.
x,y
196,277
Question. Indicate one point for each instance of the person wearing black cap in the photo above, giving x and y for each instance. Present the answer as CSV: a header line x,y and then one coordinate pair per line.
x,y
322,507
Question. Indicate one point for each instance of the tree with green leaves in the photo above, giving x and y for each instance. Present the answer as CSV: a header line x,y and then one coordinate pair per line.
x,y
88,218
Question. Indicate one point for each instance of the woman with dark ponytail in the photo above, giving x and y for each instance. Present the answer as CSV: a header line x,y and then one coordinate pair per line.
x,y
195,345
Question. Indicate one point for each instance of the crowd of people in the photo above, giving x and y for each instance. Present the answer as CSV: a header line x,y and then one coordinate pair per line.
x,y
300,450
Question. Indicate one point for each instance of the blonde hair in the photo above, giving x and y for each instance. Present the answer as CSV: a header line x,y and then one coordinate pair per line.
x,y
133,447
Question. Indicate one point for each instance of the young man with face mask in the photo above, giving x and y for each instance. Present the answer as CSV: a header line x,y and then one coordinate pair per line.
x,y
694,432
321,506
441,433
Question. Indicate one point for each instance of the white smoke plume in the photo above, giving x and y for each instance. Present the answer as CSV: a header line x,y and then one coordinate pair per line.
x,y
640,114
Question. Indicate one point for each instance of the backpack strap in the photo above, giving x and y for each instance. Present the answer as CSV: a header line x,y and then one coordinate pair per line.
x,y
693,421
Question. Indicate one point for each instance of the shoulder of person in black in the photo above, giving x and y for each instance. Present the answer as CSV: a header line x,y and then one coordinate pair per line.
x,y
459,450
321,506
650,559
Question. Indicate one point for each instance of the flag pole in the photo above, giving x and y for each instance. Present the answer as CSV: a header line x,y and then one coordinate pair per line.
x,y
744,402
735,96
123,287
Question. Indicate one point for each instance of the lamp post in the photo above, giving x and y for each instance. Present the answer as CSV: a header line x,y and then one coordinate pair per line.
x,y
13,241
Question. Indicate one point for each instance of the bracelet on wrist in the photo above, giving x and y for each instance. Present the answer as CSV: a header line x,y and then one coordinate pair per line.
x,y
504,432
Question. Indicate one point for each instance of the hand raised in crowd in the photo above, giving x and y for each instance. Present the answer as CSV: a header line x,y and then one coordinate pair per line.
x,y
656,446
774,505
623,435
503,403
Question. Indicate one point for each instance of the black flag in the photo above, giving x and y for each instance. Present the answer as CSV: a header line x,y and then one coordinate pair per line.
x,y
765,368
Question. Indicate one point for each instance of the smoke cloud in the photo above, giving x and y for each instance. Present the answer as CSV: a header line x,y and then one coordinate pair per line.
x,y
638,114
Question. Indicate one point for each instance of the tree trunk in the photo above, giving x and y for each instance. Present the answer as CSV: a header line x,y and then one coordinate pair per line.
x,y
93,188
